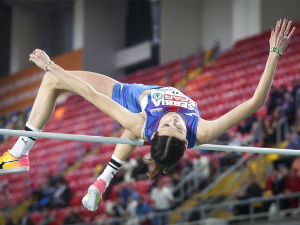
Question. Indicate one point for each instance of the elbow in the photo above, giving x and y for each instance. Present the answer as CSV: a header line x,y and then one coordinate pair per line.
x,y
257,103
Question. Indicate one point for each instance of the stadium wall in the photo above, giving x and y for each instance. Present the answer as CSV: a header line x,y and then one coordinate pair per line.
x,y
99,28
181,28
24,37
104,35
217,24
273,10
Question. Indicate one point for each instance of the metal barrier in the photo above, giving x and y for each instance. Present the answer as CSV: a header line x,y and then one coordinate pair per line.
x,y
188,185
226,173
203,211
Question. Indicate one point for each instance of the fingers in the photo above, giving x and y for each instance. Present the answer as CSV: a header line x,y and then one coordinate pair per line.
x,y
272,31
277,28
38,50
283,26
32,57
292,33
287,30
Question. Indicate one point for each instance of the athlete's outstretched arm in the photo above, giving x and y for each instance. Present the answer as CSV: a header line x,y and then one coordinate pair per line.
x,y
210,130
123,151
131,121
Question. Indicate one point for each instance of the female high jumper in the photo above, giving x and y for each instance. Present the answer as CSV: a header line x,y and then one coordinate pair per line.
x,y
163,116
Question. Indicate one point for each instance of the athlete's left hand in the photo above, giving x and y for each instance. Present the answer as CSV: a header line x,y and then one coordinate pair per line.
x,y
281,35
40,58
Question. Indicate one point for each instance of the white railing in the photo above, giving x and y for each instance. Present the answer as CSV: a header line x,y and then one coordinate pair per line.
x,y
203,212
76,137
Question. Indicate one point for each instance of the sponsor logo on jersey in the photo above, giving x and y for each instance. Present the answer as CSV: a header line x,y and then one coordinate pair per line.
x,y
157,96
179,98
167,96
186,105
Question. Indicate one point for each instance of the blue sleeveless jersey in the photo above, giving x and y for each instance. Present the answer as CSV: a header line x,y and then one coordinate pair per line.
x,y
169,99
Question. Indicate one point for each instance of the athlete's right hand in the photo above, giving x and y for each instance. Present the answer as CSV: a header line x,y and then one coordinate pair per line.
x,y
40,58
280,36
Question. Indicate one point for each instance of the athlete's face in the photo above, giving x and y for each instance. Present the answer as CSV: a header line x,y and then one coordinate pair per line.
x,y
172,124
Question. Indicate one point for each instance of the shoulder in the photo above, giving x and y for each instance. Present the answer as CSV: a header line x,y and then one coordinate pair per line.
x,y
143,114
141,128
138,124
202,131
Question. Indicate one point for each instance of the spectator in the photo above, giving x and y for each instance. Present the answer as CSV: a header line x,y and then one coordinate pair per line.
x,y
291,142
296,164
131,206
195,214
296,86
25,220
223,139
142,209
201,164
140,170
119,176
42,197
62,195
253,189
129,165
229,158
73,217
250,191
8,221
288,107
134,193
124,192
276,182
246,127
258,129
175,179
234,140
129,220
292,185
47,218
282,90
118,208
5,196
162,198
274,100
142,206
187,165
288,160
271,126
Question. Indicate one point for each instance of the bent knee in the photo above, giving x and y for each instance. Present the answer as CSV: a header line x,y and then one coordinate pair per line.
x,y
50,81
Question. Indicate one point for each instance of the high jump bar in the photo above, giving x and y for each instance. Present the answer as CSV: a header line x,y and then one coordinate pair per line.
x,y
77,137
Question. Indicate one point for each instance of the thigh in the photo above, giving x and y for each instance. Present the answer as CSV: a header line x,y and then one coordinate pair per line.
x,y
99,82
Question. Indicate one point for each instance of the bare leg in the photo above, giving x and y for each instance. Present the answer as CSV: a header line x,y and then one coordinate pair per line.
x,y
52,87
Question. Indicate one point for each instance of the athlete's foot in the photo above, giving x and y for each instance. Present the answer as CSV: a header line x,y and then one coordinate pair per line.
x,y
11,164
94,196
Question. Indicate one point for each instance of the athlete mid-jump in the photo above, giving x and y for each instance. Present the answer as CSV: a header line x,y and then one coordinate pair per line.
x,y
164,116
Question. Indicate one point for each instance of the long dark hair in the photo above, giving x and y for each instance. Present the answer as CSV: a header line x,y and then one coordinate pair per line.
x,y
166,151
